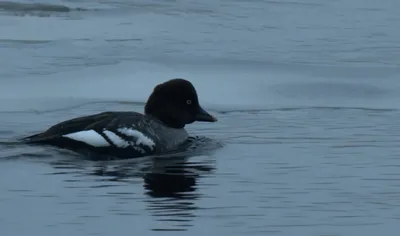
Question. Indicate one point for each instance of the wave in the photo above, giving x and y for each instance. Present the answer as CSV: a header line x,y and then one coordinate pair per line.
x,y
9,6
250,110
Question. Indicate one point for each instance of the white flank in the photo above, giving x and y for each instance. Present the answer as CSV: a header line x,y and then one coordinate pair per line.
x,y
118,141
140,137
89,137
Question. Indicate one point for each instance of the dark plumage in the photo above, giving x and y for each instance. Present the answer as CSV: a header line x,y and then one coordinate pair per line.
x,y
171,106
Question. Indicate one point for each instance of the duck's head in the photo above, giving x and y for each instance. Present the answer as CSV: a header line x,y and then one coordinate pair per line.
x,y
176,104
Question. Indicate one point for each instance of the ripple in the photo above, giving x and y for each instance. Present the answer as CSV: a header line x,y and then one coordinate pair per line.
x,y
296,168
28,7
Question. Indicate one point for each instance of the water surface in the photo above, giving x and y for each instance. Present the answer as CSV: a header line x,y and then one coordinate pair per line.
x,y
306,93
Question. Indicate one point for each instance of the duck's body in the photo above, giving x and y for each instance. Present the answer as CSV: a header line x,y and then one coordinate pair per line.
x,y
131,134
122,134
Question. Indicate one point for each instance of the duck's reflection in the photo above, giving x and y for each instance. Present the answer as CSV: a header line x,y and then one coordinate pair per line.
x,y
172,187
174,176
169,181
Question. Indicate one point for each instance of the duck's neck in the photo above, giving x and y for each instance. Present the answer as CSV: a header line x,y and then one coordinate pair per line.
x,y
167,121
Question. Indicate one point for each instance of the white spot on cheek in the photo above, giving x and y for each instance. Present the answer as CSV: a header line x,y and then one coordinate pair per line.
x,y
140,137
89,137
118,141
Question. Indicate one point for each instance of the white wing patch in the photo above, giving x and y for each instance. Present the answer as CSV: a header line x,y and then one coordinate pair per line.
x,y
115,139
93,138
120,142
89,137
140,137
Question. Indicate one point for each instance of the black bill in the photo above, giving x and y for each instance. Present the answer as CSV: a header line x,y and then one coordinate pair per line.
x,y
202,115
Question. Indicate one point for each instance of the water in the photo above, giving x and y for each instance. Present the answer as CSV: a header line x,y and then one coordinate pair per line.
x,y
306,93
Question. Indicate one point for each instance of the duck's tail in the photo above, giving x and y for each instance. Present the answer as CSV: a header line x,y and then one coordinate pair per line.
x,y
35,138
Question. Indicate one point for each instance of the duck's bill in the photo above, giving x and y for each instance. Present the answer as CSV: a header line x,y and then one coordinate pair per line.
x,y
202,115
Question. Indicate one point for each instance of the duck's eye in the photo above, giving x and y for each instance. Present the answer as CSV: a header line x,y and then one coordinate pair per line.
x,y
189,102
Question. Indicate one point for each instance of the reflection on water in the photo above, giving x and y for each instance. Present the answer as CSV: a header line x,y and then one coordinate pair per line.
x,y
169,181
282,171
172,188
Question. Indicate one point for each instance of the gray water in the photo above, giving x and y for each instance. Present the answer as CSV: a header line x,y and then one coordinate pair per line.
x,y
306,93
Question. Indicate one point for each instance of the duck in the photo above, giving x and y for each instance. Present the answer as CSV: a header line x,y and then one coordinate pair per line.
x,y
127,134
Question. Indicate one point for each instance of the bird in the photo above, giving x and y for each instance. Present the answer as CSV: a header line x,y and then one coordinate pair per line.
x,y
171,106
